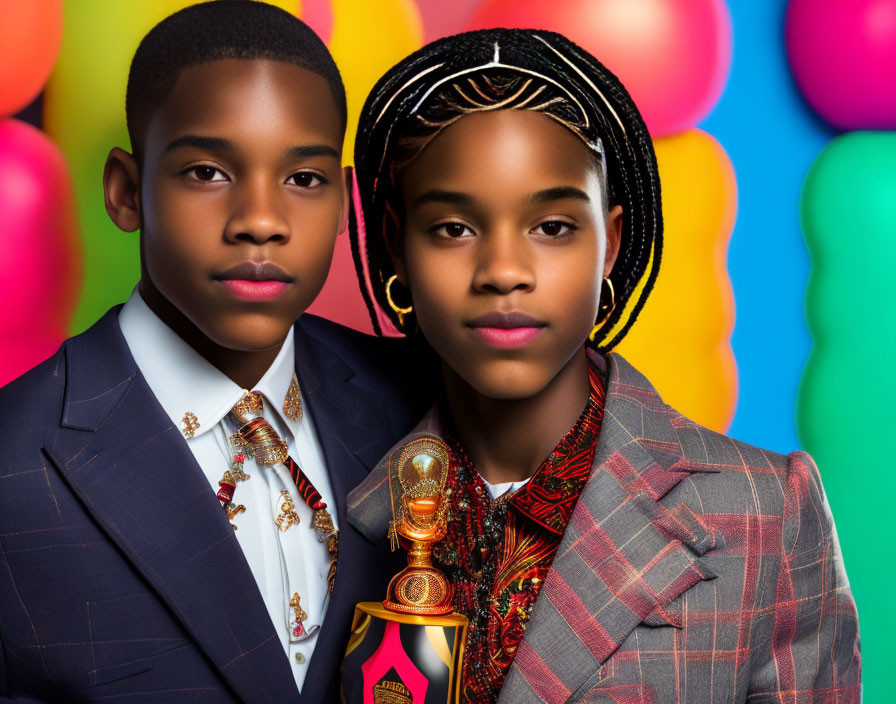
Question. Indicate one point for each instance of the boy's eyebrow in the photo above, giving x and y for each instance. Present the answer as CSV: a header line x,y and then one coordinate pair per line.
x,y
216,144
440,196
212,144
560,193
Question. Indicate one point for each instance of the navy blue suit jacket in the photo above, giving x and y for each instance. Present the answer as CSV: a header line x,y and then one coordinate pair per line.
x,y
120,576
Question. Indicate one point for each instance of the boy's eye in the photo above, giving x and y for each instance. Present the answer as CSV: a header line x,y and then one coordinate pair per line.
x,y
452,230
207,173
306,179
554,228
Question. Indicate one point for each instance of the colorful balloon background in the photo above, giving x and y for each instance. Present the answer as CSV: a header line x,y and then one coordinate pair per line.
x,y
780,337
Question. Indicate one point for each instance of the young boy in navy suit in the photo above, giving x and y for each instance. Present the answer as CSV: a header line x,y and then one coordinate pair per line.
x,y
172,504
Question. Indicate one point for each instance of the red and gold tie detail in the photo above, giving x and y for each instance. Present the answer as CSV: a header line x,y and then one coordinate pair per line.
x,y
256,437
298,629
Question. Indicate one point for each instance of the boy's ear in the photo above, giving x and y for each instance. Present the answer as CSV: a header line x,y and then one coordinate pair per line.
x,y
348,194
614,238
121,186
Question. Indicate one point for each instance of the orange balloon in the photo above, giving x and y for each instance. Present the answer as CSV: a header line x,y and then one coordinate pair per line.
x,y
30,36
681,340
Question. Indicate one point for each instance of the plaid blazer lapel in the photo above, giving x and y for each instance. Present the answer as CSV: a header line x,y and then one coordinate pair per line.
x,y
625,556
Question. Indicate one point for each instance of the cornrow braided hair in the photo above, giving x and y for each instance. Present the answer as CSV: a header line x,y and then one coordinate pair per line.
x,y
508,69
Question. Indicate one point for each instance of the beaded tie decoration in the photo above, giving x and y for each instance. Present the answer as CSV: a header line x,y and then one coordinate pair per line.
x,y
257,438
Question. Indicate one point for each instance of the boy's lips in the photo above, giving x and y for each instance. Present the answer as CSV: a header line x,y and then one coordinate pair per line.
x,y
254,281
506,330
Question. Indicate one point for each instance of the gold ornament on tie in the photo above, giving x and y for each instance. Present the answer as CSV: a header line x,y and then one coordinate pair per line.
x,y
292,405
288,516
191,424
420,519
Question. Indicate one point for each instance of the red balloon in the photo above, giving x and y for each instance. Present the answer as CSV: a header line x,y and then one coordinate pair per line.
x,y
40,260
30,36
673,56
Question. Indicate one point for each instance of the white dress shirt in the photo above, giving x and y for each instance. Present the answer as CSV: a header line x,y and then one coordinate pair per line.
x,y
283,562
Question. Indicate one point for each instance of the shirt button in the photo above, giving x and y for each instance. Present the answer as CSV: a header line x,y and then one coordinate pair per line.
x,y
300,659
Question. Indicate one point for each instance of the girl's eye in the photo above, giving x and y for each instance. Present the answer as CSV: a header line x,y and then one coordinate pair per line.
x,y
306,179
553,228
208,174
452,230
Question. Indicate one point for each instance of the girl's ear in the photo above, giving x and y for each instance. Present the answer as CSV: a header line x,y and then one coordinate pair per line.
x,y
121,186
392,235
614,238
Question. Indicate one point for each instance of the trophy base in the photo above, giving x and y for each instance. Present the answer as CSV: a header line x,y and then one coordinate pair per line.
x,y
420,590
399,658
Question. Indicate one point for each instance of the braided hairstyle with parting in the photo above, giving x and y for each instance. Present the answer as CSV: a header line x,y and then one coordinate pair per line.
x,y
501,69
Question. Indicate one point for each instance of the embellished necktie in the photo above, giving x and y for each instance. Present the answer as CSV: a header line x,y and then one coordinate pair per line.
x,y
256,438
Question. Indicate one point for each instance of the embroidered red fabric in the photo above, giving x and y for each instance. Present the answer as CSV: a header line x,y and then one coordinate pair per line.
x,y
498,552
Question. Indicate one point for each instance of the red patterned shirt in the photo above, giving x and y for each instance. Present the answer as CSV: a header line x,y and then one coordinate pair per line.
x,y
497,553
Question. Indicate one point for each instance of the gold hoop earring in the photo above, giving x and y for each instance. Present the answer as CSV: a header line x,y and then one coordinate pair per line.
x,y
400,312
606,310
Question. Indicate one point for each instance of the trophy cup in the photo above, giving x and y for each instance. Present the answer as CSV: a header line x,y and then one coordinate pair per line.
x,y
409,648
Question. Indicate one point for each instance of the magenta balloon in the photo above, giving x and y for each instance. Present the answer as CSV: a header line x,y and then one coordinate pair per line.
x,y
843,56
39,253
673,56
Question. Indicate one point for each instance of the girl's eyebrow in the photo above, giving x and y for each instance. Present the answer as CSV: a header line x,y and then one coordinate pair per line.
x,y
440,196
549,195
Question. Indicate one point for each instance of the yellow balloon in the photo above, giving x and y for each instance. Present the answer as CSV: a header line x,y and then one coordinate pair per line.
x,y
681,340
368,39
84,115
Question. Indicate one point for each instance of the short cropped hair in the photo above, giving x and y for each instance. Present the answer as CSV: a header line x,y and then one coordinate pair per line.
x,y
210,31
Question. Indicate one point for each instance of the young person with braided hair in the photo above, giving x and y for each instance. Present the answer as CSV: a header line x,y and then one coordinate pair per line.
x,y
604,547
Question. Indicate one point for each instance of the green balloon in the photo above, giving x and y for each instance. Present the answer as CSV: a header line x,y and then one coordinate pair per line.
x,y
84,115
845,405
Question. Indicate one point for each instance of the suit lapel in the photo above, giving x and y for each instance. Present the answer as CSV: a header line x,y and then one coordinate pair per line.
x,y
351,424
135,474
624,556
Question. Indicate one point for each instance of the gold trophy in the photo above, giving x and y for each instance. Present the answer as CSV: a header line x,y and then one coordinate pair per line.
x,y
409,649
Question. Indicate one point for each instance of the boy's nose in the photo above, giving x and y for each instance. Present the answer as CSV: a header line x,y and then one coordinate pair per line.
x,y
503,264
258,216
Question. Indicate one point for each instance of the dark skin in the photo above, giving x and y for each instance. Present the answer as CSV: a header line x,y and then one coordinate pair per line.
x,y
505,245
239,197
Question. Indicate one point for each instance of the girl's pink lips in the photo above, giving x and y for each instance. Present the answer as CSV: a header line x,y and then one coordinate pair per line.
x,y
255,291
507,338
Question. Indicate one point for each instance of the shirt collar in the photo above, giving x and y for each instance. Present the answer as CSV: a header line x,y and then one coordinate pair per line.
x,y
185,382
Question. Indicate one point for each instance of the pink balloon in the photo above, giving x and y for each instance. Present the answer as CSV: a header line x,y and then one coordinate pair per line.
x,y
40,259
21,353
441,18
673,56
843,56
318,14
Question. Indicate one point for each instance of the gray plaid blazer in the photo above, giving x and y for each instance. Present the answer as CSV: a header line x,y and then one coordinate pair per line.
x,y
695,568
